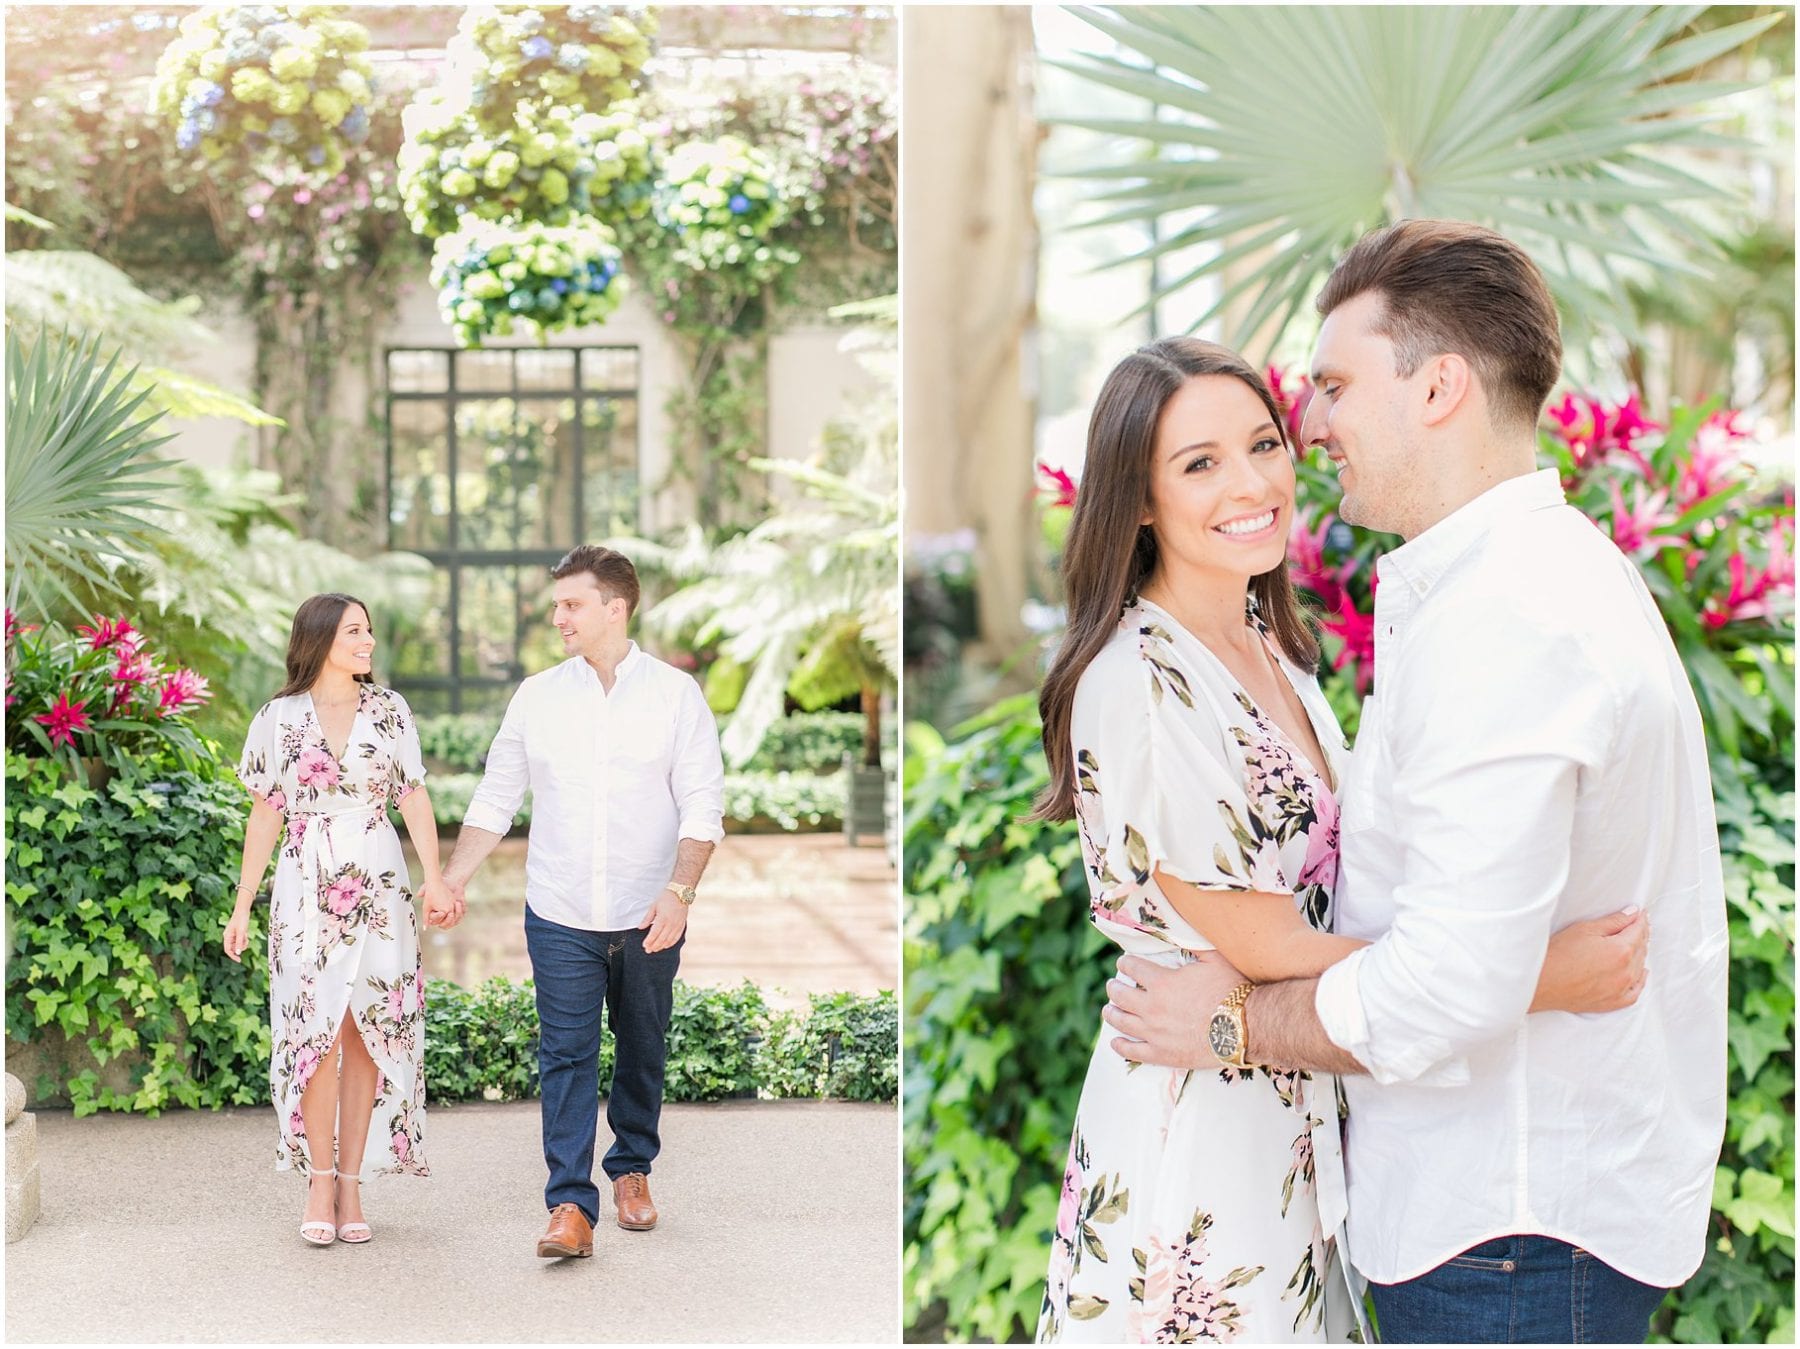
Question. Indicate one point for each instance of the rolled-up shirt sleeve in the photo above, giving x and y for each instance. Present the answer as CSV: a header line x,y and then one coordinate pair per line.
x,y
1485,780
696,770
507,775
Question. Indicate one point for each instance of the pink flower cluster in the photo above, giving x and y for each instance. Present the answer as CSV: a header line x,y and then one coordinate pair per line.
x,y
104,672
1595,432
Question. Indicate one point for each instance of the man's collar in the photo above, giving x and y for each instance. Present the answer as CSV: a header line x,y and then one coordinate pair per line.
x,y
632,658
1419,562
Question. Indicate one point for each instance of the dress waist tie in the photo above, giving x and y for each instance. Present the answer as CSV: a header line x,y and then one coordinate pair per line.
x,y
317,862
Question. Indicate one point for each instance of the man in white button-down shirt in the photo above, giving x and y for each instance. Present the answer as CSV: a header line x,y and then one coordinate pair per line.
x,y
1532,756
621,755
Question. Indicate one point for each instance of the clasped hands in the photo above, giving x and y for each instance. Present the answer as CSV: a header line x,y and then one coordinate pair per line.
x,y
445,902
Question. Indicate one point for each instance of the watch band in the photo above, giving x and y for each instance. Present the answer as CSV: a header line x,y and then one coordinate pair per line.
x,y
1236,1006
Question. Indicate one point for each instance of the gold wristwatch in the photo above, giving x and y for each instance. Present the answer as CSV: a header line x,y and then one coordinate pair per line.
x,y
1229,1033
685,893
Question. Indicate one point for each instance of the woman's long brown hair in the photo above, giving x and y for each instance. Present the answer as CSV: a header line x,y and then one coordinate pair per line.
x,y
1110,553
309,641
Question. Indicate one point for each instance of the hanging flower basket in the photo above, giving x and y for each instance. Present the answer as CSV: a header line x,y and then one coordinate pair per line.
x,y
586,57
280,89
495,279
719,205
550,166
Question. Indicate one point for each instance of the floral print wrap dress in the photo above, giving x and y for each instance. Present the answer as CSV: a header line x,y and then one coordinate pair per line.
x,y
342,936
1197,1205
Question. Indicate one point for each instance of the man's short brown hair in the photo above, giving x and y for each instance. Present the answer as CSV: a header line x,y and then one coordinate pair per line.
x,y
612,572
1450,286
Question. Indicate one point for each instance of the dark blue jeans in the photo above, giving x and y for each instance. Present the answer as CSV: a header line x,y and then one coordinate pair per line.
x,y
1517,1290
577,973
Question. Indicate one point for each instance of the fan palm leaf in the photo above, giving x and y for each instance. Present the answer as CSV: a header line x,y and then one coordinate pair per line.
x,y
1577,131
80,475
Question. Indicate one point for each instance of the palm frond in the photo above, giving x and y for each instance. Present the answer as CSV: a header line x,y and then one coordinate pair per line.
x,y
1579,131
81,478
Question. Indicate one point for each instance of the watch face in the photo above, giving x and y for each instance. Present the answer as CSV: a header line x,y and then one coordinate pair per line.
x,y
1223,1035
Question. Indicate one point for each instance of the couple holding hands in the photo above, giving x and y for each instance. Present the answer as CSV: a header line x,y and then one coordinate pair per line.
x,y
621,755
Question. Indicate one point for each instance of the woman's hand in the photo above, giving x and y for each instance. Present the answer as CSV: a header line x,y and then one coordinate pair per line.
x,y
1595,966
237,933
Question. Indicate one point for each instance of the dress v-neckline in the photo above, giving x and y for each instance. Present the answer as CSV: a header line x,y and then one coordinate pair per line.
x,y
1325,777
337,757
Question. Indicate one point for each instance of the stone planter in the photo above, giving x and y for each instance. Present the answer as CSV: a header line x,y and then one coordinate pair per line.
x,y
21,1162
865,801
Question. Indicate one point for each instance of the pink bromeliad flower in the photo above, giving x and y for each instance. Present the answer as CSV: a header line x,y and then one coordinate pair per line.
x,y
106,632
1781,556
1358,633
1057,485
1306,559
1746,599
182,691
64,719
1594,432
1712,458
1633,527
1292,394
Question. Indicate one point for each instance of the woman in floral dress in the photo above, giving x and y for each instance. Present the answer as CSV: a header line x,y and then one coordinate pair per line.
x,y
343,947
1187,736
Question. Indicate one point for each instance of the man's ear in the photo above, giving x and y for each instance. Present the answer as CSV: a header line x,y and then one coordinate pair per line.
x,y
1450,383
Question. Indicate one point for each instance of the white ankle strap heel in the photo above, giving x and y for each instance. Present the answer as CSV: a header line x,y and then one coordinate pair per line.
x,y
354,1234
316,1232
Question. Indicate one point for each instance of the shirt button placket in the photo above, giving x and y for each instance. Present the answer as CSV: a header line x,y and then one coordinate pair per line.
x,y
602,771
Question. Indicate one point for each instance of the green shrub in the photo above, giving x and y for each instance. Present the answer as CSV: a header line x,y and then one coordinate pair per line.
x,y
712,1042
457,742
791,802
843,1046
116,900
808,742
1005,979
481,1044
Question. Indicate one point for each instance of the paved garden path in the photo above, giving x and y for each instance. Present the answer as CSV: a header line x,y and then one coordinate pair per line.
x,y
792,913
780,1222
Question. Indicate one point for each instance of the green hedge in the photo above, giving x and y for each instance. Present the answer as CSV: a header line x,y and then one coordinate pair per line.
x,y
116,899
481,1044
754,802
115,902
804,742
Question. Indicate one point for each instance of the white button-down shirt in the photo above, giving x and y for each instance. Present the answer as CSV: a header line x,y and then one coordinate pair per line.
x,y
616,780
1533,756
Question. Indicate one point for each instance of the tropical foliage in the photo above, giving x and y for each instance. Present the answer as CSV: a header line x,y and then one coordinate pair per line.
x,y
1551,124
79,476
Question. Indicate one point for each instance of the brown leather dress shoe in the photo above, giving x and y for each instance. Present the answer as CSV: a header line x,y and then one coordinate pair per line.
x,y
568,1234
631,1198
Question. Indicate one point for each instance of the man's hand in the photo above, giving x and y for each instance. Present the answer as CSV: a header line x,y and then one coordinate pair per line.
x,y
1166,1015
667,920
